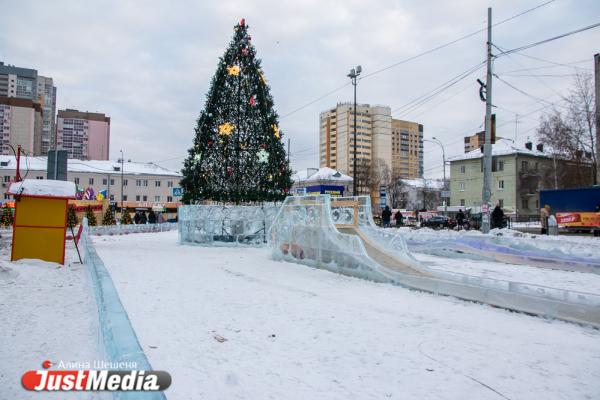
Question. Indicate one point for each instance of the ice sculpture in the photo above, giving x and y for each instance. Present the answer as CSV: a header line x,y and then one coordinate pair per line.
x,y
339,235
228,225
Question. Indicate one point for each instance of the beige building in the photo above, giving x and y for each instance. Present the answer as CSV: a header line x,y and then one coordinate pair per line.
x,y
386,148
84,135
474,142
20,124
145,185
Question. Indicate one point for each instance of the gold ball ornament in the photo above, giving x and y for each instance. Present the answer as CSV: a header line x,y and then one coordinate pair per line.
x,y
276,131
225,129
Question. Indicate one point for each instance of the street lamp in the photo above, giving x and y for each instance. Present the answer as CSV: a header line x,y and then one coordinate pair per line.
x,y
439,142
354,73
122,160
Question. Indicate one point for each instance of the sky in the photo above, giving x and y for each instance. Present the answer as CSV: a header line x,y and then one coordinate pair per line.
x,y
148,64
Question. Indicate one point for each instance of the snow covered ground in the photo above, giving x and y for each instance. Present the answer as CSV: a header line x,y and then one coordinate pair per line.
x,y
47,312
232,323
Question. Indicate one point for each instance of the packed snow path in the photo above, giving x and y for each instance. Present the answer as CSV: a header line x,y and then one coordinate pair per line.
x,y
231,323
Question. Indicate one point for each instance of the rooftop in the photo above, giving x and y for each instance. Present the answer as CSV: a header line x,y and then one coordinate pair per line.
x,y
89,166
321,174
502,147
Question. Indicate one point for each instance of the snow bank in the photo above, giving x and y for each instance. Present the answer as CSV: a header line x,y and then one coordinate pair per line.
x,y
43,187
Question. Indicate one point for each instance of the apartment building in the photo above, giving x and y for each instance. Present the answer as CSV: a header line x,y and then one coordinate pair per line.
x,y
25,83
20,124
407,149
474,142
145,185
84,135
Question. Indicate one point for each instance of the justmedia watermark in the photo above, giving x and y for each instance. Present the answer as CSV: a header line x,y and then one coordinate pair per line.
x,y
94,376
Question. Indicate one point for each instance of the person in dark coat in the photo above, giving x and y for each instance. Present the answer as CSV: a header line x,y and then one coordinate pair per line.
x,y
460,218
386,215
399,218
497,217
151,217
136,218
143,218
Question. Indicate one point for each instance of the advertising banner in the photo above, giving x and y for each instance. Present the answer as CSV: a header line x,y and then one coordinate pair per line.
x,y
325,189
578,219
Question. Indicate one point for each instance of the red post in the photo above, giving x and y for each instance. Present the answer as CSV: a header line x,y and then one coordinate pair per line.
x,y
18,173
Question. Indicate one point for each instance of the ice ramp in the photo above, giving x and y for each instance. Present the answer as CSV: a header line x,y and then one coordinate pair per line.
x,y
306,231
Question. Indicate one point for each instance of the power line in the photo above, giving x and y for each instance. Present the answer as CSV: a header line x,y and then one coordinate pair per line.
x,y
529,46
404,61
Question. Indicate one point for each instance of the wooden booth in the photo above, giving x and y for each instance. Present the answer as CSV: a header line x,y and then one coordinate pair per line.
x,y
40,220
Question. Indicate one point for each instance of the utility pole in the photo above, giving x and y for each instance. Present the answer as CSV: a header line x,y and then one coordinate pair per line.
x,y
354,73
122,160
487,146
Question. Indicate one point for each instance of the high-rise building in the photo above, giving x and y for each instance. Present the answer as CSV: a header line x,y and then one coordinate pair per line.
x,y
407,149
474,141
384,146
46,96
25,83
85,135
20,124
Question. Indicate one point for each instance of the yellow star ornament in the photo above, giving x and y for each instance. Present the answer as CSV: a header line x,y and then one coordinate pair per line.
x,y
233,70
225,129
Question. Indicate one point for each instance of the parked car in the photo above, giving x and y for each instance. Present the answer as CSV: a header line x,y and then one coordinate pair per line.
x,y
439,221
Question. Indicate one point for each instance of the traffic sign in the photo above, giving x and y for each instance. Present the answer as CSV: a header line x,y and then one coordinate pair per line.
x,y
177,192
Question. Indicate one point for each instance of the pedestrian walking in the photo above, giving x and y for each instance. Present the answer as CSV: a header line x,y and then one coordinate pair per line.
x,y
399,219
544,215
460,218
497,217
386,215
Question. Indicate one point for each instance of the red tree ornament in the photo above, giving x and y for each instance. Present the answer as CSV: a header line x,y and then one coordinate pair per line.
x,y
244,51
210,142
252,101
229,171
242,22
264,146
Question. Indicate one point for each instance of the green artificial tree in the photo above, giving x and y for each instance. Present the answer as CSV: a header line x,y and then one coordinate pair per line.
x,y
108,218
7,217
238,153
89,213
72,219
126,218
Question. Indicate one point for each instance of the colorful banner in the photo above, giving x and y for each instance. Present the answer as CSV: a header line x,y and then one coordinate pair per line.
x,y
325,189
578,219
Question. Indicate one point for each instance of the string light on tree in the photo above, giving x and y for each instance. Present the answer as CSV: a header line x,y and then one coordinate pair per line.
x,y
225,129
263,156
233,70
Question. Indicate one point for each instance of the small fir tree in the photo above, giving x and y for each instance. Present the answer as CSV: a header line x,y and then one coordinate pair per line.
x,y
7,217
108,218
89,213
238,154
72,219
126,218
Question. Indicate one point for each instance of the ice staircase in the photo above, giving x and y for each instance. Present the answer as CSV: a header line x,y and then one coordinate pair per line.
x,y
338,234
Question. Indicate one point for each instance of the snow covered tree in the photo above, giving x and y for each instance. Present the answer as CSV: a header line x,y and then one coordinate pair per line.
x,y
89,214
126,218
108,218
7,217
72,219
238,154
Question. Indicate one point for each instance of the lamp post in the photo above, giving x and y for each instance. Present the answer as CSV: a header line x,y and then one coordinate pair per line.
x,y
354,73
122,159
439,142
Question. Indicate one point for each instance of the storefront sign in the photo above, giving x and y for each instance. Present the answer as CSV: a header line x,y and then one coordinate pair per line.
x,y
578,219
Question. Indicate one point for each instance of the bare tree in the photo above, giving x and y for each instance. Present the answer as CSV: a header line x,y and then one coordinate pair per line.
x,y
363,176
571,133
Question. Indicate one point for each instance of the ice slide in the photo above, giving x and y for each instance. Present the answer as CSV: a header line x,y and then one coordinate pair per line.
x,y
338,234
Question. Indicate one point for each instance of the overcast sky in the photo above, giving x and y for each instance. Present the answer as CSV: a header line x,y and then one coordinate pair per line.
x,y
148,64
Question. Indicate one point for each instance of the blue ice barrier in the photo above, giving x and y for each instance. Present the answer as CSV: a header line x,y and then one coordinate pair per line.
x,y
118,338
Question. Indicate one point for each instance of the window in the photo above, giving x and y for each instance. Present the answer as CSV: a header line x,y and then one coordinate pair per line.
x,y
524,166
144,198
169,199
6,196
141,182
137,197
525,203
463,169
170,184
7,178
112,182
91,181
125,182
156,198
76,180
104,181
157,183
500,165
39,177
500,184
501,203
461,186
125,197
462,202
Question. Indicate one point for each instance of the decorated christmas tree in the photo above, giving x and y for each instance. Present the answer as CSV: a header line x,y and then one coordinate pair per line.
x,y
108,218
126,218
89,213
72,219
7,218
238,154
